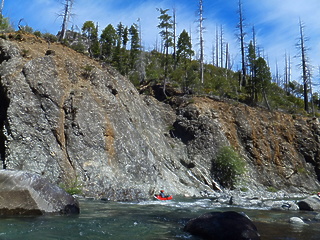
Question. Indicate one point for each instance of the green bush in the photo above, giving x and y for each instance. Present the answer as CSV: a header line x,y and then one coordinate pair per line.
x,y
38,34
87,70
79,47
272,189
50,37
228,166
73,187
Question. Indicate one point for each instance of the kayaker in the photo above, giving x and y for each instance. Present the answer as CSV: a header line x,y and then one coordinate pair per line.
x,y
162,194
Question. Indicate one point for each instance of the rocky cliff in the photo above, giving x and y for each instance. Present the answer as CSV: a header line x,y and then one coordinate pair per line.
x,y
68,118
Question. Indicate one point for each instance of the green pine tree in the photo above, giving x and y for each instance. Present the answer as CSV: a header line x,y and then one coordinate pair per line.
x,y
166,26
108,41
135,45
184,54
4,24
91,32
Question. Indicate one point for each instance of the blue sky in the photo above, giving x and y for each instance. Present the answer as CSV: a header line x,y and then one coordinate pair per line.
x,y
276,22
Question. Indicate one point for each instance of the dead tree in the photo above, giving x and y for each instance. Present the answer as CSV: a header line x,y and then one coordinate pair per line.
x,y
201,28
242,46
66,16
1,7
174,38
303,53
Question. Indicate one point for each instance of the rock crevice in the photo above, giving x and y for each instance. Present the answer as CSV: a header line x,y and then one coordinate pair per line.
x,y
4,104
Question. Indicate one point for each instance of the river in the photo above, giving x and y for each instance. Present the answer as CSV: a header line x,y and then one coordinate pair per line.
x,y
148,220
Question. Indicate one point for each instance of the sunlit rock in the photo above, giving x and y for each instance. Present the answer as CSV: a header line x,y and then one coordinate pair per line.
x,y
23,193
297,220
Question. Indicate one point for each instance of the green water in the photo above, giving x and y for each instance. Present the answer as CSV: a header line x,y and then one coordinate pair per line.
x,y
148,220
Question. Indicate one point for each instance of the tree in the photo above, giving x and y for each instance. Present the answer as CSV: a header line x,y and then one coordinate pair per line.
x,y
262,79
217,47
242,45
166,26
174,38
201,28
119,58
108,41
287,72
304,62
184,54
221,46
252,66
4,24
91,32
66,16
295,88
1,6
184,47
134,45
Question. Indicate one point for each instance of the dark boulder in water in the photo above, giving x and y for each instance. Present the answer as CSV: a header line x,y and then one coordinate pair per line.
x,y
23,193
311,203
223,226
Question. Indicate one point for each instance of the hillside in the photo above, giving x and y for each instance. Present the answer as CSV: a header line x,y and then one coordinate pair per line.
x,y
81,124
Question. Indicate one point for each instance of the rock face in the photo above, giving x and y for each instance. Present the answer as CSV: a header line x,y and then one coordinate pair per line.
x,y
311,203
223,226
23,193
69,119
66,117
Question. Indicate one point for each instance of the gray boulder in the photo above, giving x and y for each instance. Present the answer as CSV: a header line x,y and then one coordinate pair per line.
x,y
223,226
311,203
297,220
23,193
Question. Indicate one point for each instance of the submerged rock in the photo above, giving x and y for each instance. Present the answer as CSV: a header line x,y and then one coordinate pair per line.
x,y
23,193
223,226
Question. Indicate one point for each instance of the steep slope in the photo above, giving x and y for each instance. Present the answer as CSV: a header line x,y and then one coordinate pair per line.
x,y
72,120
68,118
282,151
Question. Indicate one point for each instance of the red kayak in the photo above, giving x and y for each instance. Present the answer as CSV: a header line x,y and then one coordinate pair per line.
x,y
161,198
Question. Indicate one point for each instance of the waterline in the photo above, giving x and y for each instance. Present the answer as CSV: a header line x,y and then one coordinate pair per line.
x,y
148,220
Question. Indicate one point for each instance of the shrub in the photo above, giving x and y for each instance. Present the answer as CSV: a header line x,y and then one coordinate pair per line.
x,y
272,189
37,34
79,47
50,37
228,166
25,52
87,69
73,187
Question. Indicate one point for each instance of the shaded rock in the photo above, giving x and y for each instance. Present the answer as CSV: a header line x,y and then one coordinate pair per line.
x,y
50,52
223,226
23,193
311,203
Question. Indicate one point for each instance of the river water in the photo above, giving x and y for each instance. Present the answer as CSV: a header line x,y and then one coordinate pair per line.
x,y
149,220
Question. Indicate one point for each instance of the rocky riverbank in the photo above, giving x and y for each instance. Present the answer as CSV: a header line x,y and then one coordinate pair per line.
x,y
76,122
